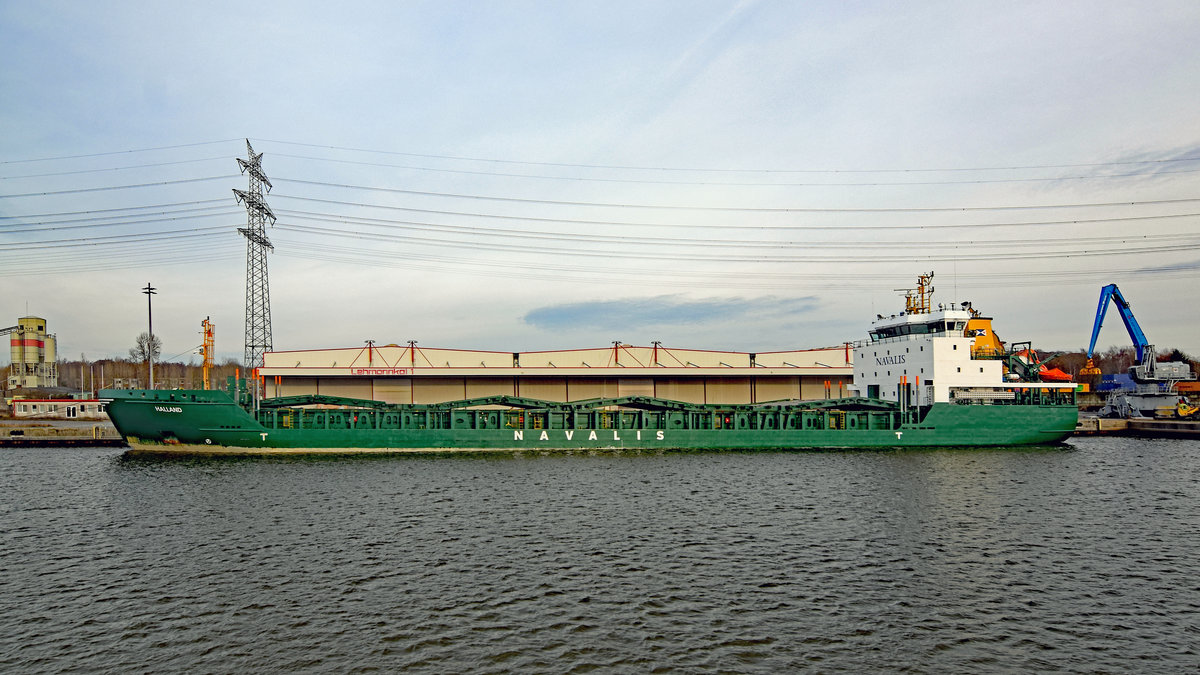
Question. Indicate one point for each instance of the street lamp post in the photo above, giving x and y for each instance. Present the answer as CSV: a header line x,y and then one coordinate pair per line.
x,y
149,291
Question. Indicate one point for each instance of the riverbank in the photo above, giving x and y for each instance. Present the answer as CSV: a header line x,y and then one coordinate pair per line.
x,y
1146,428
26,433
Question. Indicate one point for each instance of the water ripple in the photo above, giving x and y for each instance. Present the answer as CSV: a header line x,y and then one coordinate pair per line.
x,y
1076,559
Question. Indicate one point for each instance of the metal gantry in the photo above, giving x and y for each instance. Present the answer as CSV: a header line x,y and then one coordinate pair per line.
x,y
258,292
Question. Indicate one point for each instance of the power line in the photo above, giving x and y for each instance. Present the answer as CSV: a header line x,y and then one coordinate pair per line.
x,y
120,208
58,257
735,226
134,258
138,236
88,223
619,167
658,276
691,241
116,152
745,209
644,181
711,170
112,168
628,253
118,187
89,250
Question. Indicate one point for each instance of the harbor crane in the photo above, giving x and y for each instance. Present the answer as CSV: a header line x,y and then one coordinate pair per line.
x,y
1145,350
1147,369
1155,381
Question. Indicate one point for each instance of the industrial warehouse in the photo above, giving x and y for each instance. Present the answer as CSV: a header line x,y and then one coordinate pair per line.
x,y
413,374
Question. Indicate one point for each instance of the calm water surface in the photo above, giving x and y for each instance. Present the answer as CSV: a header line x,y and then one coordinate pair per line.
x,y
1078,558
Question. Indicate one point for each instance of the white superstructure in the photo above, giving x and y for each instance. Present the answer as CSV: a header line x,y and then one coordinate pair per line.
x,y
929,355
925,354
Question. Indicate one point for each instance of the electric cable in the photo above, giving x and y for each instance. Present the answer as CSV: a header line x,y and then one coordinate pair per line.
x,y
116,152
645,181
105,188
695,169
723,243
113,168
734,226
746,209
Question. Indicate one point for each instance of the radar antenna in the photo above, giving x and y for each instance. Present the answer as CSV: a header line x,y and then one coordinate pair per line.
x,y
917,300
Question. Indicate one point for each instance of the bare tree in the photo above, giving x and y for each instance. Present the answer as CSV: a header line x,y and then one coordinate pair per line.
x,y
1116,359
143,345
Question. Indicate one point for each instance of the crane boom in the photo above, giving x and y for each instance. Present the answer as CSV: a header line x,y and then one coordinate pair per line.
x,y
1111,292
206,350
1155,380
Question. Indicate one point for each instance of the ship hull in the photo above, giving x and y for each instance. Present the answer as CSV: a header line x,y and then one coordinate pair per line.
x,y
211,423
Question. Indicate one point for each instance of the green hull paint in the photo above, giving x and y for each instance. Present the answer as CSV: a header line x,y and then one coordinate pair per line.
x,y
211,422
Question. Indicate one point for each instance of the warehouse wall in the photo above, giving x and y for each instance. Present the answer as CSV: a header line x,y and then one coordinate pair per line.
x,y
546,388
776,389
438,389
293,386
582,388
393,389
345,386
688,389
478,387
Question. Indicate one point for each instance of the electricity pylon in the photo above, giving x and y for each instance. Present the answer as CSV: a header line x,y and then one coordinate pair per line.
x,y
258,291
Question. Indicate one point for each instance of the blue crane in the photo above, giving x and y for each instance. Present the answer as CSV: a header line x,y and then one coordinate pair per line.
x,y
1156,381
1111,292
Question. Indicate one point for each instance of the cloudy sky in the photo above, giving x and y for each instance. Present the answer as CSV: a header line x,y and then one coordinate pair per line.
x,y
538,175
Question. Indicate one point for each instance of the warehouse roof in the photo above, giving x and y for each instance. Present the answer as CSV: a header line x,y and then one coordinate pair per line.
x,y
406,360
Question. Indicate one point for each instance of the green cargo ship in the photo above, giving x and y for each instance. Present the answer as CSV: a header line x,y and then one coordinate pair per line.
x,y
925,378
182,421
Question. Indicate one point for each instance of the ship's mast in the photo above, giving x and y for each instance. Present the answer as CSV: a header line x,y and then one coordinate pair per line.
x,y
917,300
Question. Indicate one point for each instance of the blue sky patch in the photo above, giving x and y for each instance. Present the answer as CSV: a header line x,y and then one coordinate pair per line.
x,y
664,310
